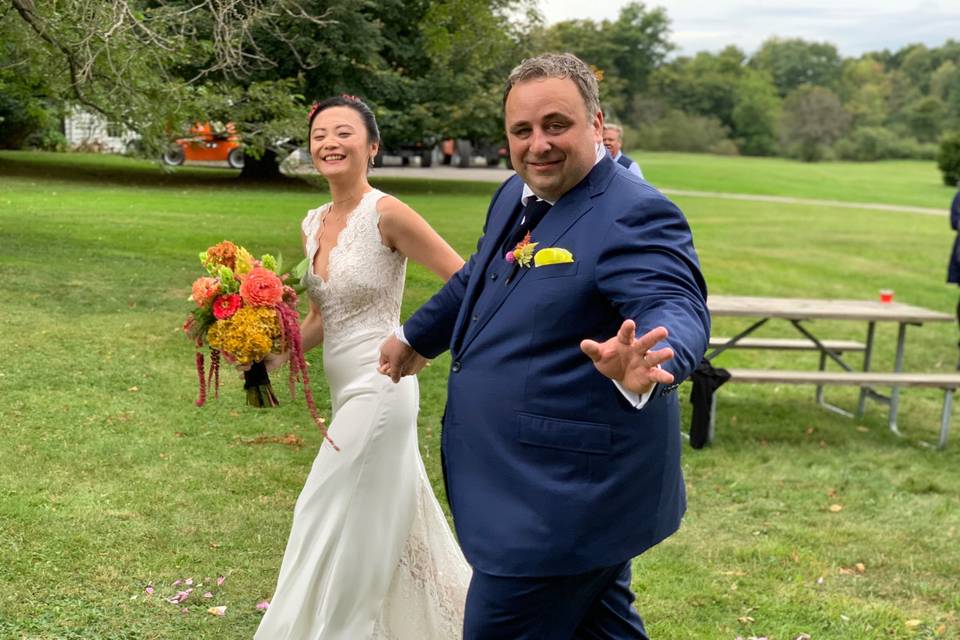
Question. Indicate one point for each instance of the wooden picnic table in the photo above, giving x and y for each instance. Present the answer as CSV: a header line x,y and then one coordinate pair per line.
x,y
799,310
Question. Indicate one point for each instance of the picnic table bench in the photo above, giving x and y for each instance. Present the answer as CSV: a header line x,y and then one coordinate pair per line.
x,y
798,311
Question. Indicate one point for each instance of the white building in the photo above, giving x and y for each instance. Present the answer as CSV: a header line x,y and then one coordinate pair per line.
x,y
93,132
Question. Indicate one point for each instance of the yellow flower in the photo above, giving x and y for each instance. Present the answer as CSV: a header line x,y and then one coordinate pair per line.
x,y
248,335
244,261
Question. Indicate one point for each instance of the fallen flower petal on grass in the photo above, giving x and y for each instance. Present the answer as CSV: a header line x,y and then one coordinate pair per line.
x,y
180,597
208,595
220,580
217,611
149,589
263,605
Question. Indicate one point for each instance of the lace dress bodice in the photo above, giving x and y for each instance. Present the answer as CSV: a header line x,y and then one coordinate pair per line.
x,y
364,285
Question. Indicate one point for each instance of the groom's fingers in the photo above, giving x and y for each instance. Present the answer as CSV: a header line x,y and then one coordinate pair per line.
x,y
658,357
661,376
651,339
591,348
628,331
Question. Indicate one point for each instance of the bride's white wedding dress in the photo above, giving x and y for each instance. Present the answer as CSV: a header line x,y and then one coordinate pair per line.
x,y
370,553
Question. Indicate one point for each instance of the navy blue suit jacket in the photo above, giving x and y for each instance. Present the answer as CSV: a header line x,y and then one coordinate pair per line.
x,y
548,469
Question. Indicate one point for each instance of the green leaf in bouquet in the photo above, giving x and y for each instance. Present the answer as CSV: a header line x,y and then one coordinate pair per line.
x,y
300,270
297,276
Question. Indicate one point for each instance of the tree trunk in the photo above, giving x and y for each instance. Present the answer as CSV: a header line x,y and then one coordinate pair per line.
x,y
264,168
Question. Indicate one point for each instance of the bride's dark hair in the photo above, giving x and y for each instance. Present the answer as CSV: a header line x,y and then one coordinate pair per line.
x,y
353,102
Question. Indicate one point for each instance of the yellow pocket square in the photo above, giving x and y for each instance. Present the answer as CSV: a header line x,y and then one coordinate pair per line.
x,y
551,255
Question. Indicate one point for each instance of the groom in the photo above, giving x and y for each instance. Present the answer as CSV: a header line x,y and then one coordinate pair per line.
x,y
561,439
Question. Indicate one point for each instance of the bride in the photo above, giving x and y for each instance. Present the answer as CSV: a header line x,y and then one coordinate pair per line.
x,y
370,554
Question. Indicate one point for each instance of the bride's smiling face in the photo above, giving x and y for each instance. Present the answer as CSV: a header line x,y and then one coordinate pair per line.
x,y
339,143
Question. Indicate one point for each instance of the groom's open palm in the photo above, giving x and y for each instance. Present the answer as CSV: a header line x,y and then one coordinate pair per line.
x,y
629,359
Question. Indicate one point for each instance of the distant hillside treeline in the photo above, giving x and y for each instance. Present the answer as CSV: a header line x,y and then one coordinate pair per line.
x,y
791,97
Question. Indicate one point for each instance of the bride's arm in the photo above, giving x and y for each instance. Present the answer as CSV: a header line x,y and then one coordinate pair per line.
x,y
404,230
311,327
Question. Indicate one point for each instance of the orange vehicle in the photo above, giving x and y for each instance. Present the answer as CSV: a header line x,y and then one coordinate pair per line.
x,y
208,142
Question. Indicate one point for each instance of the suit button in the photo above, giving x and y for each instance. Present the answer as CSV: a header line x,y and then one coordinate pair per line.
x,y
455,367
474,318
493,276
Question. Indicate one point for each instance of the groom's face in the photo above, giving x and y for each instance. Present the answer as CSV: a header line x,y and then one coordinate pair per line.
x,y
553,140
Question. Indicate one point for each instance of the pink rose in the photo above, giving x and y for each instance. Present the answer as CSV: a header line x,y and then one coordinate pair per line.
x,y
261,288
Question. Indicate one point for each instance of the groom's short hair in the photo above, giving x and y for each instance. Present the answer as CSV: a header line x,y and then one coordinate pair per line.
x,y
558,65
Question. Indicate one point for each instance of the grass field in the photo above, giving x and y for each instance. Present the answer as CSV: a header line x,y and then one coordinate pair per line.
x,y
900,182
110,478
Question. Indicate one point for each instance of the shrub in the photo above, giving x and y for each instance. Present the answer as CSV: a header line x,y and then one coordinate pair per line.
x,y
679,131
948,159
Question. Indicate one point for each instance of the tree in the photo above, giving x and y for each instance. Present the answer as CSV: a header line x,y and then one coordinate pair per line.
x,y
755,114
813,118
865,89
626,50
794,62
948,160
705,84
257,62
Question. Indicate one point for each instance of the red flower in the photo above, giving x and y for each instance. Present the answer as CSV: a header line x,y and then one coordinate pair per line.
x,y
226,306
261,288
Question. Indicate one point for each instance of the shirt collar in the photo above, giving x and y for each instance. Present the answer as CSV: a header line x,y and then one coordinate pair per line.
x,y
528,192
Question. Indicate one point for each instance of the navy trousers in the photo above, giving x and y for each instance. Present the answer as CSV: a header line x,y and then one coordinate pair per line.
x,y
596,605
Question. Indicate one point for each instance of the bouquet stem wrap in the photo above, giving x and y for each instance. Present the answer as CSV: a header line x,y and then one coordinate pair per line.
x,y
256,382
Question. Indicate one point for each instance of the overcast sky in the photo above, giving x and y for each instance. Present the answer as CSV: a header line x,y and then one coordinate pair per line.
x,y
854,26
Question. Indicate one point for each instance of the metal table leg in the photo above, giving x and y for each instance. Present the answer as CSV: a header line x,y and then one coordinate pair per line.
x,y
867,355
897,367
945,417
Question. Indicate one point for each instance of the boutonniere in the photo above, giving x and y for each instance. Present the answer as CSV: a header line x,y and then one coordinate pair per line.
x,y
522,254
552,255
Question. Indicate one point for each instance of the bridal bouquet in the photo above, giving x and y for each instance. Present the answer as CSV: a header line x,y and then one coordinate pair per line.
x,y
244,311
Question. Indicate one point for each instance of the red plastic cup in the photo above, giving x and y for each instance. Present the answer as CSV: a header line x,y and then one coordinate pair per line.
x,y
886,295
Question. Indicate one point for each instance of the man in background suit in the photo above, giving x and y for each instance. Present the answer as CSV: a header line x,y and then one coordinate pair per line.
x,y
561,444
613,141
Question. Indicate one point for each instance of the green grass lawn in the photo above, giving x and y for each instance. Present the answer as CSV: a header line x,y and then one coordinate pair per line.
x,y
111,479
900,182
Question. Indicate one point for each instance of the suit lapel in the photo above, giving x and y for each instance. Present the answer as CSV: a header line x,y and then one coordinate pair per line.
x,y
565,213
570,208
502,222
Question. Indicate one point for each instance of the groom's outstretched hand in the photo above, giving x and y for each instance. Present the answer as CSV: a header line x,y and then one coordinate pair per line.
x,y
398,359
629,359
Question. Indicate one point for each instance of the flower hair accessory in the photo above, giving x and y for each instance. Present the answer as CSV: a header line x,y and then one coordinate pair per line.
x,y
316,105
313,111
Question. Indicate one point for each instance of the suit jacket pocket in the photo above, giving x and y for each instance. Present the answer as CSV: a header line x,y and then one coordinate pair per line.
x,y
567,435
554,270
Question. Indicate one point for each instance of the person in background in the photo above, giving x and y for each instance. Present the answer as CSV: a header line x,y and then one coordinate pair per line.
x,y
613,141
